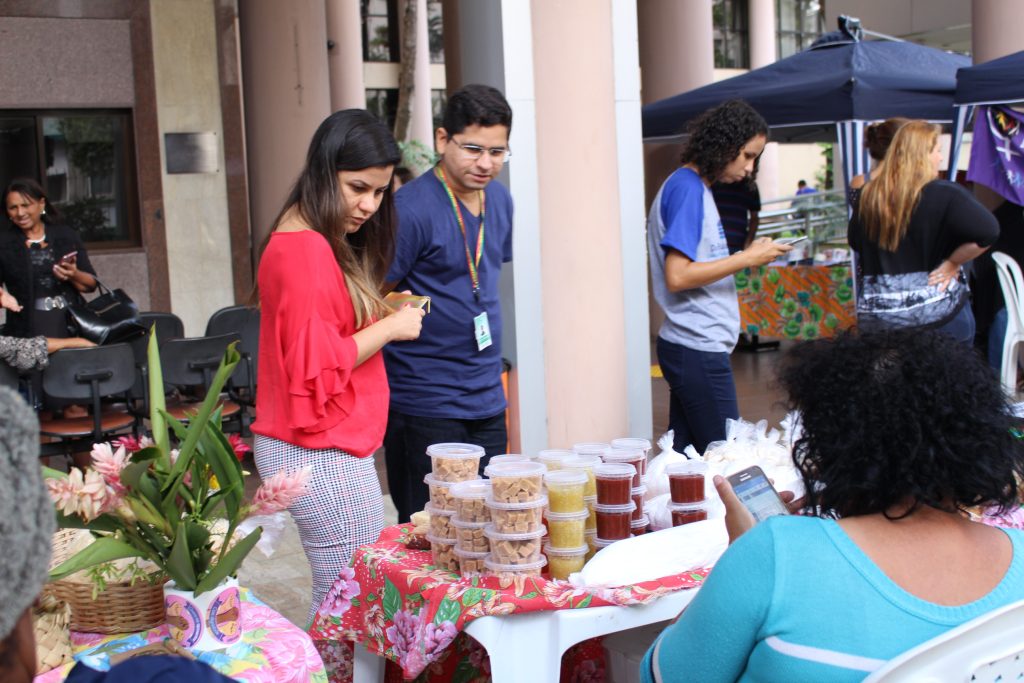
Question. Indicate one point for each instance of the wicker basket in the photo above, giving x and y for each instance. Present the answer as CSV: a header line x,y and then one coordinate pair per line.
x,y
120,608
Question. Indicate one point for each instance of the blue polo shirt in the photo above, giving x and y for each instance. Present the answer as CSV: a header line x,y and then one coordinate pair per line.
x,y
442,374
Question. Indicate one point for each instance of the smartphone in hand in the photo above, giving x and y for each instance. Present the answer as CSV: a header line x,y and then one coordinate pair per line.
x,y
757,493
790,240
69,257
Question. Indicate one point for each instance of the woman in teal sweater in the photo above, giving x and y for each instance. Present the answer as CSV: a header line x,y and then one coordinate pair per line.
x,y
902,432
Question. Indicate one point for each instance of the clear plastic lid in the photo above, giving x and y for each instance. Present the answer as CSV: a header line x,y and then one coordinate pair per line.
x,y
566,516
604,543
455,451
554,457
615,509
526,468
508,457
529,505
437,512
471,554
581,462
566,552
623,455
474,488
637,490
495,535
499,568
687,467
688,507
591,448
629,443
459,524
641,523
431,480
441,541
614,470
565,477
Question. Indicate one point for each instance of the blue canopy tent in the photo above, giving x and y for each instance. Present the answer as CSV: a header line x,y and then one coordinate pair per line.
x,y
828,92
1000,81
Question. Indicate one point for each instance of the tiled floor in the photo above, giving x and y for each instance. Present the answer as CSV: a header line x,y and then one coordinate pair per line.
x,y
283,580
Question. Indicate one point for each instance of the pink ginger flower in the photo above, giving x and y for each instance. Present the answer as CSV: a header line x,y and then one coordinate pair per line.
x,y
87,496
280,491
132,444
240,447
109,464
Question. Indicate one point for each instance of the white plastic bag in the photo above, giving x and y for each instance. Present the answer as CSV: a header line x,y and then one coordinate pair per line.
x,y
657,479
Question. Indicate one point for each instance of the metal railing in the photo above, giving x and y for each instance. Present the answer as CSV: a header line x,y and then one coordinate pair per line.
x,y
821,216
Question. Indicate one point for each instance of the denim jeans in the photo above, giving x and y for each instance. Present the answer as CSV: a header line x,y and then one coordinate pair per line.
x,y
701,394
961,327
405,451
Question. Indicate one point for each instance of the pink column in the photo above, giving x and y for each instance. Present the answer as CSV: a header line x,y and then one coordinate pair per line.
x,y
762,53
996,28
345,58
421,127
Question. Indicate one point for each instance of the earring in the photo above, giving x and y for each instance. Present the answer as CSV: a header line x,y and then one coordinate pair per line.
x,y
43,211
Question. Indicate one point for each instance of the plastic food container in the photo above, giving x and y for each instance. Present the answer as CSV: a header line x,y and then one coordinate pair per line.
x,y
591,536
690,512
591,503
600,543
686,481
511,570
469,500
512,549
470,536
613,521
638,527
591,448
441,523
471,563
565,561
567,529
630,443
614,483
635,458
566,490
443,553
441,492
508,457
455,461
516,482
553,458
517,518
584,463
637,495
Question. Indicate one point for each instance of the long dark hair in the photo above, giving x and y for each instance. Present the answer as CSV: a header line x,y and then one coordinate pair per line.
x,y
31,188
349,140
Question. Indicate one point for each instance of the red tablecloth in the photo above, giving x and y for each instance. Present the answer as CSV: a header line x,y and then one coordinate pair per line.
x,y
397,604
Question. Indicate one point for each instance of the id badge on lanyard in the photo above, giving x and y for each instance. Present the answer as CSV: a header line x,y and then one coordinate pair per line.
x,y
482,331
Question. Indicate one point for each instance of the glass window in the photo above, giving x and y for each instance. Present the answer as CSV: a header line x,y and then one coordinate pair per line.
x,y
438,101
380,31
87,169
731,34
435,31
800,23
383,103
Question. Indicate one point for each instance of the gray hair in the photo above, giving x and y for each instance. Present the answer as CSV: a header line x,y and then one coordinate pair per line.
x,y
27,518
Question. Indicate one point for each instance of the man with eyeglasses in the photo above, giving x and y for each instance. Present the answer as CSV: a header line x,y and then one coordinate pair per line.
x,y
454,233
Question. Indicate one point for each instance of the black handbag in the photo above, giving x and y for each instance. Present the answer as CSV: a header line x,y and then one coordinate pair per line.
x,y
109,318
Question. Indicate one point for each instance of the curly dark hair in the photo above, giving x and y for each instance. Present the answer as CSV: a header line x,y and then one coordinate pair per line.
x,y
899,417
717,136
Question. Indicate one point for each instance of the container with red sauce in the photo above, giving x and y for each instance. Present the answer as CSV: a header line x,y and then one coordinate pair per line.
x,y
686,481
614,483
634,444
637,495
634,458
690,512
638,527
614,522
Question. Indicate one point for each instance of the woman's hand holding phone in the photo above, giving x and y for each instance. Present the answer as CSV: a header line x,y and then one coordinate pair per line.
x,y
66,268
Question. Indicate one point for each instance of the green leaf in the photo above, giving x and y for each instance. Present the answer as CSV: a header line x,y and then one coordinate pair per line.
x,y
147,454
230,562
157,406
355,602
50,473
449,610
465,672
179,564
225,466
584,602
472,596
99,551
197,535
392,601
107,523
529,596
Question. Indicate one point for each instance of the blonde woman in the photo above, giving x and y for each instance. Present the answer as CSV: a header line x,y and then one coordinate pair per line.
x,y
322,400
913,233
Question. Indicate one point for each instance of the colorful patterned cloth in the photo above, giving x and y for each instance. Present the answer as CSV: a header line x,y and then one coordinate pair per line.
x,y
271,650
394,601
796,302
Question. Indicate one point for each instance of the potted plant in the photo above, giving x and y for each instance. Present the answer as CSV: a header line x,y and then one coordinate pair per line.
x,y
180,509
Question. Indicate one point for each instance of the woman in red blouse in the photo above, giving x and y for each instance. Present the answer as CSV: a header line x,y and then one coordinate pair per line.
x,y
322,400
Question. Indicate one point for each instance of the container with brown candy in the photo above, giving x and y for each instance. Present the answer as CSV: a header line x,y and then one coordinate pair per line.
x,y
441,523
470,535
471,563
443,553
516,482
470,500
690,512
515,548
455,461
441,492
614,483
613,521
502,570
517,518
508,457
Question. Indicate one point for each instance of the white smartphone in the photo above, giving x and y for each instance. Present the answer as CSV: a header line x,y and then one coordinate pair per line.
x,y
757,493
790,240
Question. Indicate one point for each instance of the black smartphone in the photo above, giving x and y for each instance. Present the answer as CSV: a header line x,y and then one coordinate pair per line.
x,y
757,493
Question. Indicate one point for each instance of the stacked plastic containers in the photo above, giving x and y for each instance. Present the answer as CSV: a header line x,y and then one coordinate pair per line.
x,y
471,518
638,491
686,488
516,505
451,464
567,515
585,464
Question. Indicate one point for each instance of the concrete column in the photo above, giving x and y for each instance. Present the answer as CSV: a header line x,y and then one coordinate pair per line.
x,y
421,127
287,95
761,27
345,59
996,28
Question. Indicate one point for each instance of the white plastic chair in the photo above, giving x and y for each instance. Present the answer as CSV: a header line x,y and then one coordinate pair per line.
x,y
989,648
1012,284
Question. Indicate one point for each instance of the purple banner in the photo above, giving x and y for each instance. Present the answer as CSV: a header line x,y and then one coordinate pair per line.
x,y
997,153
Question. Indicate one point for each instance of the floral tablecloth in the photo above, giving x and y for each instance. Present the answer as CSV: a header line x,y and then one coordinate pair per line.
x,y
795,302
394,601
271,649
